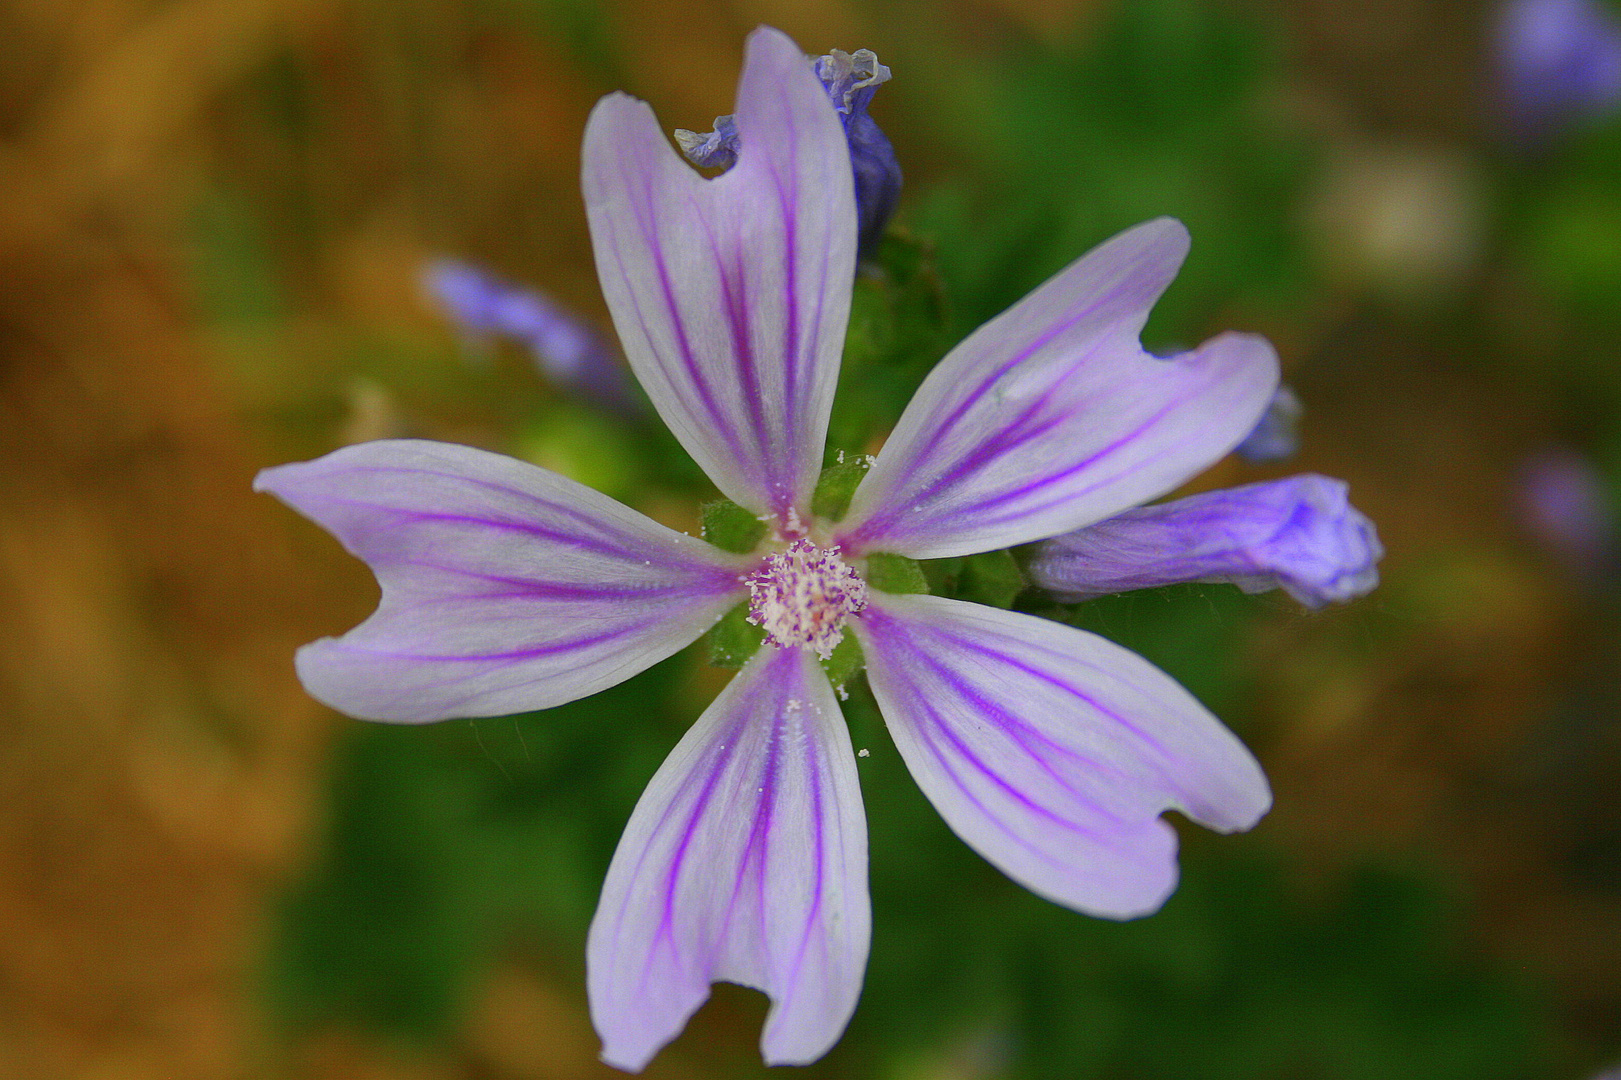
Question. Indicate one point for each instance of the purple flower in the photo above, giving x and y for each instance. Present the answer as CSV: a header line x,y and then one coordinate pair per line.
x,y
850,79
1053,752
1277,436
1560,62
1562,502
567,350
1300,534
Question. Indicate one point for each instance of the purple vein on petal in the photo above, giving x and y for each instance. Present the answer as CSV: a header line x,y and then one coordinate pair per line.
x,y
614,541
1051,751
1010,438
744,862
646,220
1126,321
505,587
1010,725
1052,416
729,289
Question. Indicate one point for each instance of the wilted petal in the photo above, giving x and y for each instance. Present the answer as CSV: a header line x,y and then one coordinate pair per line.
x,y
505,587
1300,534
1052,751
715,150
745,861
1051,416
731,295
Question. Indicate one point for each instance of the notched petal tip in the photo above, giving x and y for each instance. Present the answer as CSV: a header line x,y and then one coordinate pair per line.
x,y
731,295
325,673
1251,354
1052,416
745,861
1053,752
505,587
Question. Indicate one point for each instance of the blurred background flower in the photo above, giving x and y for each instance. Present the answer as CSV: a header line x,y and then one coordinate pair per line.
x,y
216,220
1560,64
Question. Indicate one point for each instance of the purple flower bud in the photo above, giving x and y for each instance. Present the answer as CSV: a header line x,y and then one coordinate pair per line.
x,y
1299,534
1562,502
851,79
1277,436
1560,62
566,349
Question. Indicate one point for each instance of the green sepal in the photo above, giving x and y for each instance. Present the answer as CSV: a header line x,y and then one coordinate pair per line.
x,y
895,574
992,577
837,485
942,574
733,640
846,662
730,527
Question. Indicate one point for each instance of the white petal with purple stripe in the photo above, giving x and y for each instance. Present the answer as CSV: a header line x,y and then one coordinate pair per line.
x,y
1051,751
731,295
1051,416
745,861
505,586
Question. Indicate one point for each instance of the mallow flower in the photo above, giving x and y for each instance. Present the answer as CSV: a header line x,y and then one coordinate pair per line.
x,y
1053,752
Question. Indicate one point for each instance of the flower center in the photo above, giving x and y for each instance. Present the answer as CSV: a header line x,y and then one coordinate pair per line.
x,y
803,596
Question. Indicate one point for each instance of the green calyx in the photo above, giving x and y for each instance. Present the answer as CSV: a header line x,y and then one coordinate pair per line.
x,y
992,578
730,527
846,662
734,639
837,486
895,574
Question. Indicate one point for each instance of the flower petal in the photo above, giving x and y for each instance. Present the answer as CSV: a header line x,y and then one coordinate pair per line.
x,y
1051,416
745,861
1051,751
505,586
731,295
1300,534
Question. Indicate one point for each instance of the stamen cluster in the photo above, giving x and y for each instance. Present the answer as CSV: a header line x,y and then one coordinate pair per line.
x,y
803,595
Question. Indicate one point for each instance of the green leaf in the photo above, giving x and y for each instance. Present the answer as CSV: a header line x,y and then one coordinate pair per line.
x,y
734,639
730,527
895,574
